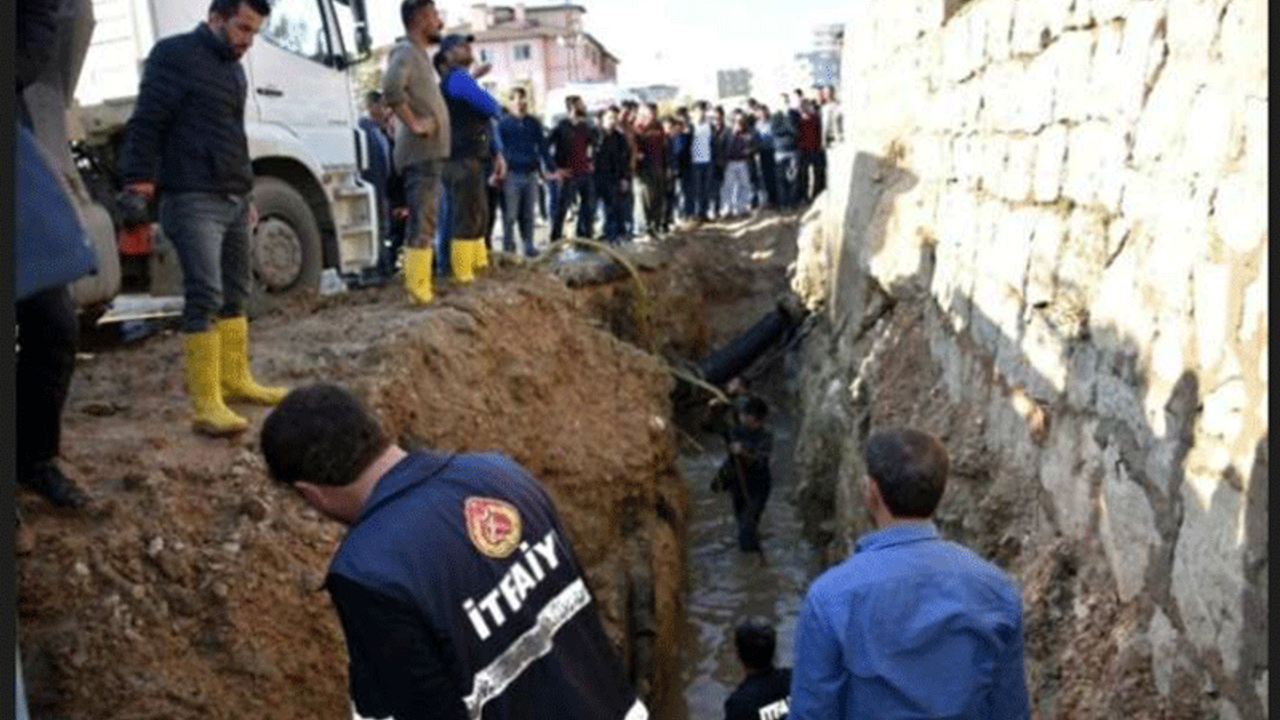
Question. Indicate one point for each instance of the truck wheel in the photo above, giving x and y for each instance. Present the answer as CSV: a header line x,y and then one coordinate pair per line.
x,y
285,250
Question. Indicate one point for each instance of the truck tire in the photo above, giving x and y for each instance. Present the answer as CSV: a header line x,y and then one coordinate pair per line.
x,y
285,251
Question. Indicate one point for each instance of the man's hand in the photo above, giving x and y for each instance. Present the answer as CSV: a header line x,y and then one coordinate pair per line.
x,y
145,188
479,71
424,126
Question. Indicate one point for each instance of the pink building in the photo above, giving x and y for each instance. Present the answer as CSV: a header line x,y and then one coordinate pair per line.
x,y
539,48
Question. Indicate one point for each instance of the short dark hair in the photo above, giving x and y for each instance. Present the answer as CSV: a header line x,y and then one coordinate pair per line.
x,y
227,8
755,407
755,641
409,8
371,97
571,100
519,91
320,434
910,468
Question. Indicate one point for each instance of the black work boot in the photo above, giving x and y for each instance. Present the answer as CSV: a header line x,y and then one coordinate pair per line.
x,y
55,487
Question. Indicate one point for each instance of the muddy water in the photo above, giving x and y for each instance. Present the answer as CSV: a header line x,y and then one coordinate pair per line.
x,y
726,586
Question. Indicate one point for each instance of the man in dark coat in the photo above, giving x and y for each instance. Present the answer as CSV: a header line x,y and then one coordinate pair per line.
x,y
186,143
766,691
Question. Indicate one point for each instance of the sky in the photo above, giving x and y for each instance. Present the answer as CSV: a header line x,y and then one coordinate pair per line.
x,y
680,42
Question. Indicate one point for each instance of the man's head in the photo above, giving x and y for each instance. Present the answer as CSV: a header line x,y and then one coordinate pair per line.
x,y
519,101
456,49
700,110
421,20
576,107
762,111
374,105
609,119
237,22
906,473
755,410
755,641
319,440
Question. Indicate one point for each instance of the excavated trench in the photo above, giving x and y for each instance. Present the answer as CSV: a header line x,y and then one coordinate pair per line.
x,y
191,589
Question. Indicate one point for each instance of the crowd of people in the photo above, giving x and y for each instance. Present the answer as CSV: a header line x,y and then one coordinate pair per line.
x,y
621,172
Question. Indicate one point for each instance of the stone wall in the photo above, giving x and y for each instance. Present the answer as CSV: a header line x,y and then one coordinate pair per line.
x,y
1062,207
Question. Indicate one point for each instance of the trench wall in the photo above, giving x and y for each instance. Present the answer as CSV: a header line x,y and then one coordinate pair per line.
x,y
1069,197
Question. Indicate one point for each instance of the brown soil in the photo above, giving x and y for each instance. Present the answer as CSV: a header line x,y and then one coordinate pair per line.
x,y
191,589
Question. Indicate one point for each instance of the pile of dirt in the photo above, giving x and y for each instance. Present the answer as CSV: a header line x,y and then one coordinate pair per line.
x,y
192,588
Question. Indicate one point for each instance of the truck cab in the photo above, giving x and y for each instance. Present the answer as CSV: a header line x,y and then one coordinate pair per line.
x,y
315,213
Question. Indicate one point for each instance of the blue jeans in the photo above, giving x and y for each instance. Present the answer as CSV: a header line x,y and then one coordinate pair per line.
x,y
520,190
581,187
703,175
210,231
786,173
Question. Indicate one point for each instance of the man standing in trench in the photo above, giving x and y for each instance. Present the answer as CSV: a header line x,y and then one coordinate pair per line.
x,y
912,625
186,141
456,586
411,88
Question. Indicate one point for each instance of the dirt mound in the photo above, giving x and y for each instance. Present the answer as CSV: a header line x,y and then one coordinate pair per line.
x,y
192,591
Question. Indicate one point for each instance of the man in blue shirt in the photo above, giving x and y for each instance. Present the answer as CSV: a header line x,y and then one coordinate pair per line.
x,y
524,143
911,626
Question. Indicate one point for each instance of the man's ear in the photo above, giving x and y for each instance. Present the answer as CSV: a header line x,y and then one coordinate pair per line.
x,y
315,495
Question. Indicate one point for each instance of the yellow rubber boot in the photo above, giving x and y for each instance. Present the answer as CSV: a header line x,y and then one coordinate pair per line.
x,y
460,256
237,381
479,255
417,274
204,385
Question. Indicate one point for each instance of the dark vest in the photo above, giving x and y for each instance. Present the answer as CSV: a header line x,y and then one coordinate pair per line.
x,y
473,542
471,130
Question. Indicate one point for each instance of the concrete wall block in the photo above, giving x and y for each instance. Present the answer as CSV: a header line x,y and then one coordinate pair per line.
x,y
1244,44
1254,121
1253,315
1019,169
999,17
1208,571
1046,350
1107,10
975,46
1192,27
1209,133
1011,252
994,151
1128,526
1164,651
1050,163
1028,23
1159,132
1119,310
1104,73
1047,238
1212,308
1138,48
1224,411
1074,93
1067,468
953,51
1095,164
1240,211
1084,255
1034,94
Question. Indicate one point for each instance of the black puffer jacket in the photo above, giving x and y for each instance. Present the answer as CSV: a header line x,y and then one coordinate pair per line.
x,y
187,129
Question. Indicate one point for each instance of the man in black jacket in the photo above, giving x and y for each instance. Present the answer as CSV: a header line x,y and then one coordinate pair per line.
x,y
458,590
186,142
766,691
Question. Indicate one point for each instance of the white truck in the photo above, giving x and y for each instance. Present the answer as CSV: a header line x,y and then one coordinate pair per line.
x,y
315,213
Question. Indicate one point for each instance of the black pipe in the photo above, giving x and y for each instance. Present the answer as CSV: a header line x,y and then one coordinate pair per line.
x,y
736,356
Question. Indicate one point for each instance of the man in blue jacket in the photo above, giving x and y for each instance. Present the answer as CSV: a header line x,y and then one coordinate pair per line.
x,y
524,145
457,589
186,142
912,625
472,112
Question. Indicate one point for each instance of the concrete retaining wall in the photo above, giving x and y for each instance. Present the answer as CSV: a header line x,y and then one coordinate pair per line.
x,y
1071,197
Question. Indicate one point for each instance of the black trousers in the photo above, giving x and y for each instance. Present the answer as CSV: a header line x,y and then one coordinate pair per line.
x,y
47,337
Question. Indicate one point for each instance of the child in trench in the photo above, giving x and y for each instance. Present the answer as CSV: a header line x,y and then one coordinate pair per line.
x,y
745,472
